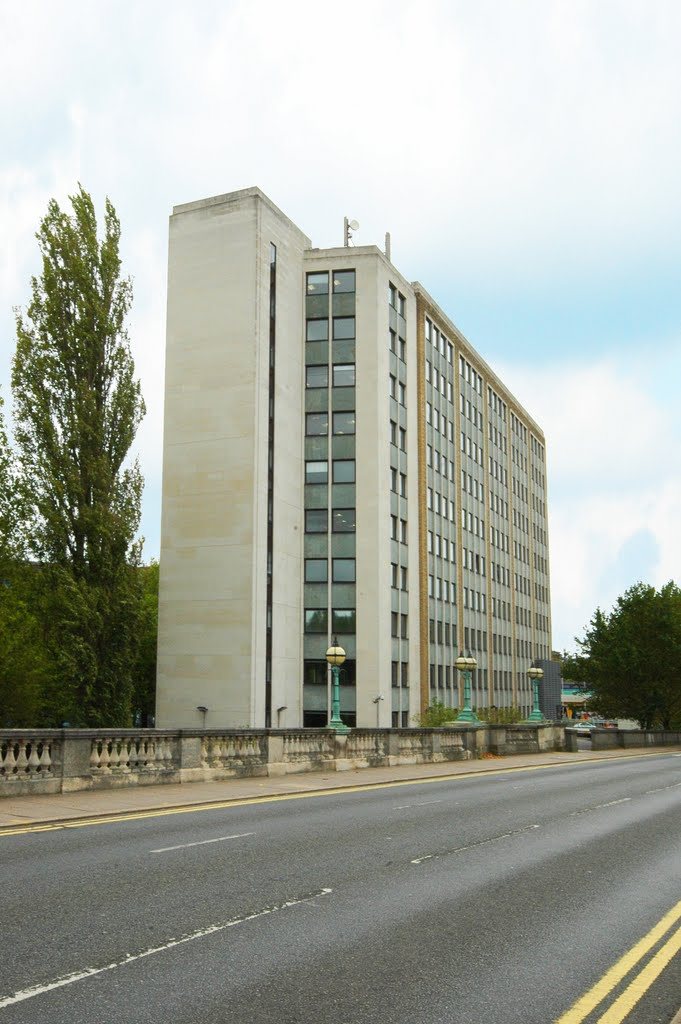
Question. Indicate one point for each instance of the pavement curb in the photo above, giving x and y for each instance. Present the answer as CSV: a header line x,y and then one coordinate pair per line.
x,y
158,810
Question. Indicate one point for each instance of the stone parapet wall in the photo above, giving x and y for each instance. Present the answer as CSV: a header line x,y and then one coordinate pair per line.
x,y
43,761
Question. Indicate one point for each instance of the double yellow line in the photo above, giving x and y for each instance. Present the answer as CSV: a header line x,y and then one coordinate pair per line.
x,y
639,984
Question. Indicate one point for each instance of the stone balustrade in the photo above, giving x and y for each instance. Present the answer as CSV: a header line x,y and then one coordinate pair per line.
x,y
61,760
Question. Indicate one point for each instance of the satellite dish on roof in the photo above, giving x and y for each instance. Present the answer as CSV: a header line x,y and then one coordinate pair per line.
x,y
348,227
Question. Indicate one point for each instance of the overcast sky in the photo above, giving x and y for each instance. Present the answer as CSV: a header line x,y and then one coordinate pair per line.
x,y
525,156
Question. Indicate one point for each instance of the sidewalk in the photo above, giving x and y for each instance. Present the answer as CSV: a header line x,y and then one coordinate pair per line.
x,y
63,807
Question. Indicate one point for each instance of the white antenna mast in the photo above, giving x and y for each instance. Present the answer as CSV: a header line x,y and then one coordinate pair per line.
x,y
349,226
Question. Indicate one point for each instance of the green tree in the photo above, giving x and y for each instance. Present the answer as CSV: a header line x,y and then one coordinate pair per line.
x,y
144,695
77,407
630,660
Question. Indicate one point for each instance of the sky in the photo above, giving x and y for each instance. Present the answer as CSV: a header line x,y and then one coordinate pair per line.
x,y
525,157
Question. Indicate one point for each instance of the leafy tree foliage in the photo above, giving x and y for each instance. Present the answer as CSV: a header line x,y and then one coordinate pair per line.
x,y
77,407
630,660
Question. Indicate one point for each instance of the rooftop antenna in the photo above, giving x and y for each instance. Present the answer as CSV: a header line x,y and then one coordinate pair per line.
x,y
349,226
387,245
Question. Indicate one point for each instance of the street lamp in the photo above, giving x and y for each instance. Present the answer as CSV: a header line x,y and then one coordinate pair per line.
x,y
466,665
335,657
535,675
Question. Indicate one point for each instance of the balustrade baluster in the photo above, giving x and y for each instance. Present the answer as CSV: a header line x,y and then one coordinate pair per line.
x,y
22,759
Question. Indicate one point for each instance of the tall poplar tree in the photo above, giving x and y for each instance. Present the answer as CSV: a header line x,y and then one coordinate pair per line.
x,y
77,407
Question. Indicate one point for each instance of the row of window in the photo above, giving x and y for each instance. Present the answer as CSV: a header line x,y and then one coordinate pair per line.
x,y
398,576
318,282
400,675
439,341
396,300
521,553
439,423
342,570
537,448
497,437
472,561
441,590
342,328
398,529
398,479
539,506
538,478
500,574
522,584
343,621
469,412
501,644
518,428
501,609
498,539
343,375
518,458
472,524
438,462
317,471
398,435
476,600
538,534
317,423
498,471
498,505
541,593
441,547
440,505
442,636
520,490
470,375
541,564
397,345
399,625
398,390
471,486
496,404
342,520
439,382
520,521
472,449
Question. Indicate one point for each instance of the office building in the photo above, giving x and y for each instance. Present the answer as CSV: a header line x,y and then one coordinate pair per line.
x,y
338,461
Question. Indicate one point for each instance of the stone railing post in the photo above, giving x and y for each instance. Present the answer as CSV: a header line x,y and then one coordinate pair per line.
x,y
76,773
189,753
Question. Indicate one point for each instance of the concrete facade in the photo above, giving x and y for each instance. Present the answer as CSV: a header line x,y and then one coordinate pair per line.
x,y
303,454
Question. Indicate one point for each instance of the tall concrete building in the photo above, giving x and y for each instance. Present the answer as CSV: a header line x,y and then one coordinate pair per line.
x,y
338,461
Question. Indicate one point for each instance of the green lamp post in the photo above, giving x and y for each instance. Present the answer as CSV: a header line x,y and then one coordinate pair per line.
x,y
535,675
466,665
335,657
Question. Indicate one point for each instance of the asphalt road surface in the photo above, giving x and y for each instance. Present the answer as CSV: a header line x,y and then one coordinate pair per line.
x,y
504,898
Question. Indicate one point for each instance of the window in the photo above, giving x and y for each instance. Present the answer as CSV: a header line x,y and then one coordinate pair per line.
x,y
403,577
316,620
392,295
403,485
401,303
316,570
344,471
315,520
343,570
317,330
343,620
343,328
401,393
344,422
394,625
316,424
404,633
343,375
343,520
316,376
316,472
343,281
318,284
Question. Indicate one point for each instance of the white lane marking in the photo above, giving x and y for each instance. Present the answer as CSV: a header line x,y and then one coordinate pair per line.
x,y
420,803
203,842
611,803
663,789
90,972
473,846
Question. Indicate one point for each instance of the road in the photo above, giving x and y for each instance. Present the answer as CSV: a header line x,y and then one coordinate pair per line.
x,y
500,898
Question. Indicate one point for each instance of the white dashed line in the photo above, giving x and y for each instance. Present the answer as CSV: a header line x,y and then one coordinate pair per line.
x,y
204,842
473,846
90,972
